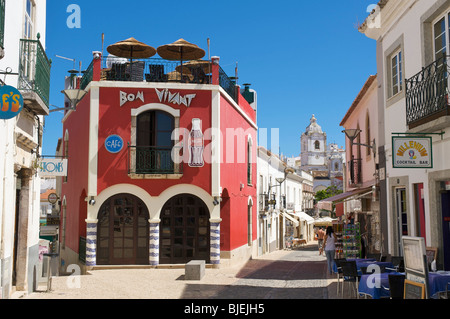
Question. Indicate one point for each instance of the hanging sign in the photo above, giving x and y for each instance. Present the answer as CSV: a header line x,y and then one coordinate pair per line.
x,y
113,143
412,152
53,167
11,102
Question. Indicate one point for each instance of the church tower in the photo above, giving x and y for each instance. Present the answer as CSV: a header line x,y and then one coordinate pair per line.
x,y
314,147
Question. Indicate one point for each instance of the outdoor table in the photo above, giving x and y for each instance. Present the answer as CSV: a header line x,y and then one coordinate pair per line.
x,y
437,283
360,262
368,284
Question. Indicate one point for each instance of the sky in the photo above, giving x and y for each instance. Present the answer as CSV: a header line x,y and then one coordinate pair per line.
x,y
302,57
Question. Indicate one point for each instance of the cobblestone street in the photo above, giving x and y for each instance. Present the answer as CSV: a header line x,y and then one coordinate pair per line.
x,y
285,274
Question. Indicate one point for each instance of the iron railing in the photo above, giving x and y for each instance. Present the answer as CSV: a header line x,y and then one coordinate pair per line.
x,y
227,84
427,91
34,69
152,70
157,70
87,76
153,160
355,170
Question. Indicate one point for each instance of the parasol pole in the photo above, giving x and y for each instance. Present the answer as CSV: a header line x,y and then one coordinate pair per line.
x,y
181,51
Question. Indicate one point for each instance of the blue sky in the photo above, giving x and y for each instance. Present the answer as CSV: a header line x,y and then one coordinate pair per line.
x,y
302,57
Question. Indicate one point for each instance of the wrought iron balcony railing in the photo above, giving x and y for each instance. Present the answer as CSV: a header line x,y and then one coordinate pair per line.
x,y
355,170
34,69
153,160
158,70
427,93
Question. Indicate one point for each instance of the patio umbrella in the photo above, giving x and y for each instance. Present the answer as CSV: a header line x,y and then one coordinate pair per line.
x,y
203,64
180,50
131,48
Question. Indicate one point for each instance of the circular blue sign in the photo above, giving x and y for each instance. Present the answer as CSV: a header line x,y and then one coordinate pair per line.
x,y
113,143
11,102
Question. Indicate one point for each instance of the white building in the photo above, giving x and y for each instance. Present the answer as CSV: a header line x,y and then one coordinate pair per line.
x,y
324,161
413,41
22,37
282,198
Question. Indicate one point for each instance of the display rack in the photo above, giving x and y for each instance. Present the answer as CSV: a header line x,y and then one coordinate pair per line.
x,y
338,230
351,241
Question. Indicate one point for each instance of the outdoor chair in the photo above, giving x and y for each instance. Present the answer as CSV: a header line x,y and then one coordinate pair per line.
x,y
339,273
135,71
398,263
117,72
396,286
350,274
156,73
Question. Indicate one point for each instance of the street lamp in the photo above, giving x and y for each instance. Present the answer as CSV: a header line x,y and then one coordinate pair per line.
x,y
280,180
353,133
74,96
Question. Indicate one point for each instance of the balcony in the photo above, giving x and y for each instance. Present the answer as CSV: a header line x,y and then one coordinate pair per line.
x,y
158,70
34,76
427,94
153,162
355,170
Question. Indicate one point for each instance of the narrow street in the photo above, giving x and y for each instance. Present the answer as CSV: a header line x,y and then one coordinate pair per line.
x,y
285,274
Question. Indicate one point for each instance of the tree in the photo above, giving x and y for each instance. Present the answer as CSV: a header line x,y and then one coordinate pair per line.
x,y
326,193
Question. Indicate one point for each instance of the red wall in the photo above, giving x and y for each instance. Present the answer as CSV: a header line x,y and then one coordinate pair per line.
x,y
75,190
116,119
234,208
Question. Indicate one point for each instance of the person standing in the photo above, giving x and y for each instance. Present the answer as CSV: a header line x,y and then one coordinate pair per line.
x,y
320,235
329,247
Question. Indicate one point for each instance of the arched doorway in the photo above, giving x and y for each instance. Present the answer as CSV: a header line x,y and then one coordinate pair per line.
x,y
123,231
184,230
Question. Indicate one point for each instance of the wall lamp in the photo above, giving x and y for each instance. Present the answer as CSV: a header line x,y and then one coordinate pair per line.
x,y
353,133
217,200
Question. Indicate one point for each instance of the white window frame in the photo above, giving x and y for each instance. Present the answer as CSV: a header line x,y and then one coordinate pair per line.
x,y
398,76
29,19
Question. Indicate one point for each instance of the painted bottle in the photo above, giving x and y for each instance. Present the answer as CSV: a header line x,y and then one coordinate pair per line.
x,y
196,144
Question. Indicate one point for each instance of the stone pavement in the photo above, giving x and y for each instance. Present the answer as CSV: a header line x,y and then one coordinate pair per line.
x,y
284,274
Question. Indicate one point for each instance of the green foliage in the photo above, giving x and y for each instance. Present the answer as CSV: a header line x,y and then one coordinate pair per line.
x,y
328,192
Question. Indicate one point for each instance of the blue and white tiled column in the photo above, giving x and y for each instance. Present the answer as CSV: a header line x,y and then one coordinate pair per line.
x,y
154,242
215,242
91,242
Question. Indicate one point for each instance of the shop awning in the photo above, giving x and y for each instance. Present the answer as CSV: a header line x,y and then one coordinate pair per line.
x,y
291,218
324,221
304,217
328,202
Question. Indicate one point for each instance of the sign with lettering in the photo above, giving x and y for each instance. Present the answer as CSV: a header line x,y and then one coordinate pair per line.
x,y
53,167
412,152
11,102
164,95
113,143
130,97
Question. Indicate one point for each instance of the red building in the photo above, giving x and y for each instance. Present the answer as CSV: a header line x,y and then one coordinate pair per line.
x,y
160,171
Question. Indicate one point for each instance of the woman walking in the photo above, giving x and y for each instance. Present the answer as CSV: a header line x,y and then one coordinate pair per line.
x,y
329,247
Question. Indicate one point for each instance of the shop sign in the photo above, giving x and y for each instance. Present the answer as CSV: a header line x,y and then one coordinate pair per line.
x,y
412,152
52,198
113,143
130,97
11,102
53,167
165,96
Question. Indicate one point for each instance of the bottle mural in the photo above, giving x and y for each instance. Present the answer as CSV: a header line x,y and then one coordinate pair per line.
x,y
196,144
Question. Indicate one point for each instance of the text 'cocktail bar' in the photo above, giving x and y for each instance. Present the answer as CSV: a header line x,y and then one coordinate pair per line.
x,y
161,160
